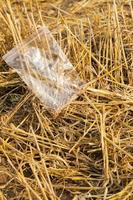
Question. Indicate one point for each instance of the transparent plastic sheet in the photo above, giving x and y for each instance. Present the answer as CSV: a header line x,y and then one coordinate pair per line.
x,y
46,70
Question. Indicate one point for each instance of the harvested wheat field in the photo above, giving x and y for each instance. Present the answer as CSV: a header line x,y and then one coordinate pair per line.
x,y
86,151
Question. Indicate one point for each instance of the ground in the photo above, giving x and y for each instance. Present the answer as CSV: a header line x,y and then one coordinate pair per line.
x,y
86,151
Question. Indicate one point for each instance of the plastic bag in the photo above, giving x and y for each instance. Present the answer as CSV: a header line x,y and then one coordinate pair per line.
x,y
46,70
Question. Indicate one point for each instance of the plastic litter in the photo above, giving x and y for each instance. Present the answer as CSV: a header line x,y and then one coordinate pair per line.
x,y
45,69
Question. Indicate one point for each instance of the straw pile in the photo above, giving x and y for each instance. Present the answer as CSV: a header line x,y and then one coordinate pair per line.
x,y
86,152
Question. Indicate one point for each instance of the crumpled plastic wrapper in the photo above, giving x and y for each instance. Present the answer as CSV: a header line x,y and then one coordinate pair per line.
x,y
46,70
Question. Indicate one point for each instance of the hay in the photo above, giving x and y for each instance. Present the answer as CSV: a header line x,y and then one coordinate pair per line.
x,y
85,153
